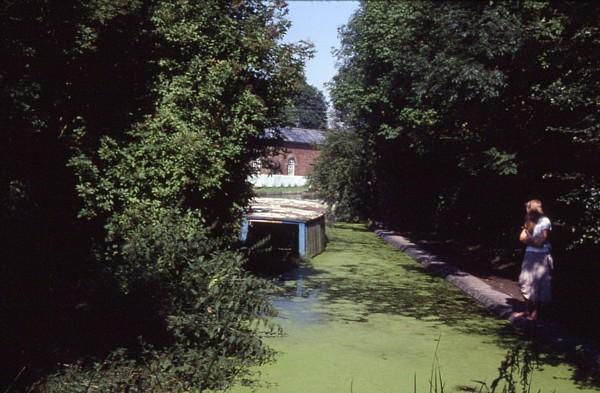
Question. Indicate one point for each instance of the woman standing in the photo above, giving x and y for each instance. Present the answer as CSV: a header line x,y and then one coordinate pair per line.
x,y
536,269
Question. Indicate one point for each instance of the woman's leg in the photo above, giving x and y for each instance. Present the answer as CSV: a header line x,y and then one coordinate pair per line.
x,y
542,285
526,285
534,311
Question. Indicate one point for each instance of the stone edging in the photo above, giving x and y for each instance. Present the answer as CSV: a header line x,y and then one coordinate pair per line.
x,y
495,301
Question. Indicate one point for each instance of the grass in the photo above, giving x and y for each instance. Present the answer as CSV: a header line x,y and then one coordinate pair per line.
x,y
280,190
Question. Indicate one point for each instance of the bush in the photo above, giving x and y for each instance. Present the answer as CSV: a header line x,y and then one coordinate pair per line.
x,y
341,176
215,312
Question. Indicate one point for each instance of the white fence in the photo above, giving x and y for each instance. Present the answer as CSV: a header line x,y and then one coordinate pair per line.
x,y
278,181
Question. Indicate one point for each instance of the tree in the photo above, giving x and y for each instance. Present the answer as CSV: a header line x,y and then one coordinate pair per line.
x,y
462,94
171,194
146,116
62,63
342,176
308,108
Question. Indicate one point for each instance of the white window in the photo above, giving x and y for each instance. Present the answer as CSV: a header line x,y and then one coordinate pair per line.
x,y
256,165
291,167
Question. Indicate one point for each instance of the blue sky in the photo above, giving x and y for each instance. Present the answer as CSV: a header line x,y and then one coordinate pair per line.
x,y
318,22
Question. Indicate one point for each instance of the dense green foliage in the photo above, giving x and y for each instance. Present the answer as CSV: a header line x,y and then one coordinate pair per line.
x,y
128,132
308,108
60,64
215,314
478,99
467,110
342,175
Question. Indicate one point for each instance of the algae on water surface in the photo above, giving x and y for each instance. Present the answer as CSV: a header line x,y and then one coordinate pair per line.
x,y
365,315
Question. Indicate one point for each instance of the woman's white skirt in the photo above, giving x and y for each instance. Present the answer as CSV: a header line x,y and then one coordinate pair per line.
x,y
536,276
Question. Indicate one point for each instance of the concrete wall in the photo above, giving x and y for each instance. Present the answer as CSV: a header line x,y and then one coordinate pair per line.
x,y
263,180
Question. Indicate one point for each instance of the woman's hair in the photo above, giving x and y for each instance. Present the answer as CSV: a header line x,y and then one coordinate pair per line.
x,y
533,213
534,205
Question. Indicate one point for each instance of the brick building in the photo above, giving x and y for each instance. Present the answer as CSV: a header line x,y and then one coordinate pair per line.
x,y
297,149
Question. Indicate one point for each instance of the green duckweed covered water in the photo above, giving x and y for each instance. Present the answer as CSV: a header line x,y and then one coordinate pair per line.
x,y
363,317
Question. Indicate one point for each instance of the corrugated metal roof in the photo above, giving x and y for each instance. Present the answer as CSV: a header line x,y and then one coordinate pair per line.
x,y
298,135
280,209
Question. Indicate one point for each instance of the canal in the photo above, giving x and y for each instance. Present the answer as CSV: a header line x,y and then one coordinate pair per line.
x,y
362,317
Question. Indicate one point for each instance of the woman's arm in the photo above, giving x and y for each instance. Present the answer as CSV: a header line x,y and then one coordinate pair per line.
x,y
535,241
524,235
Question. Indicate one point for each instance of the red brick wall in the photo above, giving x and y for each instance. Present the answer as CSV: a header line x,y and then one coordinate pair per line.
x,y
304,157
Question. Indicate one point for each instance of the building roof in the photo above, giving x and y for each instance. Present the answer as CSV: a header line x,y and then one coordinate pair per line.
x,y
307,136
284,210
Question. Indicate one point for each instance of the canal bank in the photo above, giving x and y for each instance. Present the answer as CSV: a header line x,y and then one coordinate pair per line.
x,y
501,303
364,317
